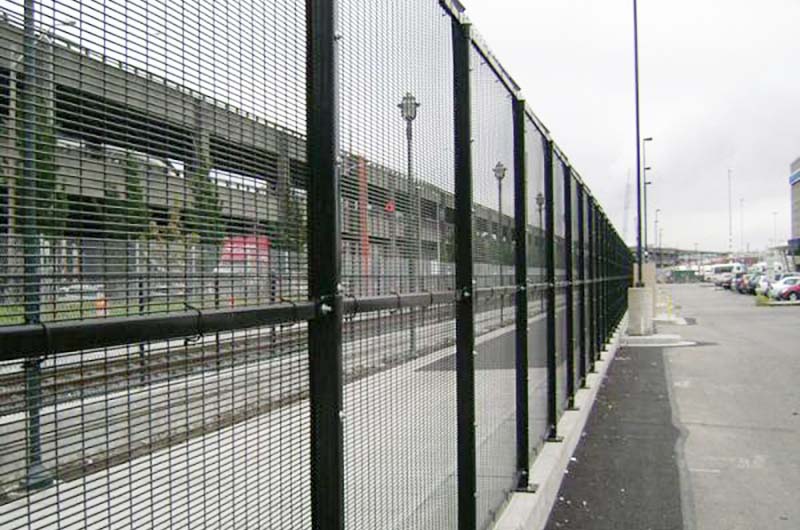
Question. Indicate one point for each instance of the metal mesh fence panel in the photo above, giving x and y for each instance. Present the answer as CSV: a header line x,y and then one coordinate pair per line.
x,y
559,198
180,349
537,299
184,433
493,258
153,163
575,347
587,271
396,101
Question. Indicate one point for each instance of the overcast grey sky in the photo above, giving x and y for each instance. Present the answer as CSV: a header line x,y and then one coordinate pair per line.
x,y
719,88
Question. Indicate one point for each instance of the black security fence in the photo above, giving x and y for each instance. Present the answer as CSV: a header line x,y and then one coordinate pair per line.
x,y
281,265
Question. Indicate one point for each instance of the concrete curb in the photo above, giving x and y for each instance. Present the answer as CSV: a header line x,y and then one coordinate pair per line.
x,y
530,511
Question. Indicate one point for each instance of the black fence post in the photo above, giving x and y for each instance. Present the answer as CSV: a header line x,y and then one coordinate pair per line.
x,y
582,329
592,324
604,290
569,288
521,272
598,278
324,269
465,316
552,398
602,258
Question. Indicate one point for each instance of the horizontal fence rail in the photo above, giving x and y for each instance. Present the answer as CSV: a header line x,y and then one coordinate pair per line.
x,y
269,264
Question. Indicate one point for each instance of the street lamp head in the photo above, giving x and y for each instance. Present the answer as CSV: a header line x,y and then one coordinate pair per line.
x,y
648,182
648,168
540,200
499,171
408,107
648,139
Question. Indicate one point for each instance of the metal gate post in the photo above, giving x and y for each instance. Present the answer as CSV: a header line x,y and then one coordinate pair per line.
x,y
568,290
552,398
465,316
592,284
521,273
581,284
324,269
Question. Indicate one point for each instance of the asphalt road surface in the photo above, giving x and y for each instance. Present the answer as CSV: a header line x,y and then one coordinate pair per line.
x,y
700,437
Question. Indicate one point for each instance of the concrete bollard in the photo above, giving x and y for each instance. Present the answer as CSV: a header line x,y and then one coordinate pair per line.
x,y
640,311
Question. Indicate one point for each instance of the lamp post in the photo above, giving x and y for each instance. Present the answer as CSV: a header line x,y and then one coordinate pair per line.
x,y
500,173
645,169
640,282
27,93
775,228
644,206
540,207
730,217
655,233
408,110
741,224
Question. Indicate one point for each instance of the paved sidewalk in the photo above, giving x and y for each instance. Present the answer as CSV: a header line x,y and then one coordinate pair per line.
x,y
702,437
623,474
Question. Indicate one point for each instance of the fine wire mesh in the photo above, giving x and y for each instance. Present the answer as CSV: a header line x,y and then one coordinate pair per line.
x,y
590,274
397,237
537,300
576,291
560,228
179,434
493,262
153,161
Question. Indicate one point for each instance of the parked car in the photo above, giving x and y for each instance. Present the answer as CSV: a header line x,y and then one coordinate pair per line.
x,y
791,293
777,289
762,287
752,283
740,283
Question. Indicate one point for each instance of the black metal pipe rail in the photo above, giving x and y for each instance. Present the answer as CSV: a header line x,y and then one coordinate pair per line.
x,y
48,338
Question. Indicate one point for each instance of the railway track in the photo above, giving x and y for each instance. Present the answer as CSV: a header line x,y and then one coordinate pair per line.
x,y
96,373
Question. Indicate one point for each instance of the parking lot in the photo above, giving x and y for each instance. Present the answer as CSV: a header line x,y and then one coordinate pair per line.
x,y
736,398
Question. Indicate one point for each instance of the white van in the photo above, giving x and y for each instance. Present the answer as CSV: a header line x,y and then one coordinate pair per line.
x,y
723,273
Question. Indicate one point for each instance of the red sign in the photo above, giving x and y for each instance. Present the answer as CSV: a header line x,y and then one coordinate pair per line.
x,y
389,206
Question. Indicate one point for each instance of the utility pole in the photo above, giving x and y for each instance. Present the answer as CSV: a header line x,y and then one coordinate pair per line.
x,y
741,224
730,216
775,229
640,278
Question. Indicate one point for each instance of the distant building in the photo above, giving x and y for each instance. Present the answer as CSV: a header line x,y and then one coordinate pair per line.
x,y
794,242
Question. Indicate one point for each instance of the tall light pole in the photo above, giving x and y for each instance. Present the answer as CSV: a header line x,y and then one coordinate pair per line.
x,y
500,173
408,110
655,232
645,169
775,228
741,224
640,282
730,216
644,207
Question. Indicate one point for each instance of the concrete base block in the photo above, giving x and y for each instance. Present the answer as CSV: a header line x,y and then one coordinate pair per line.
x,y
662,340
640,311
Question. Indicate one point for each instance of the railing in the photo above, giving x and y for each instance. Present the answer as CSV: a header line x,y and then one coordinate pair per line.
x,y
382,336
